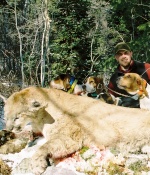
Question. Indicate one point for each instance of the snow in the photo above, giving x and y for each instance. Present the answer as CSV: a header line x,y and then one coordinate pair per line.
x,y
82,162
13,160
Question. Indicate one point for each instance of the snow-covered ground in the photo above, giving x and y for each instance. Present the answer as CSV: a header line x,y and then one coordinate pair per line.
x,y
87,161
13,160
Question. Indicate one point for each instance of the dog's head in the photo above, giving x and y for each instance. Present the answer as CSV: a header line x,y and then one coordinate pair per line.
x,y
94,83
132,83
90,84
61,82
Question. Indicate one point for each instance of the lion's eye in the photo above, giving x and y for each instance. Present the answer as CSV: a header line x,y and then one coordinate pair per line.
x,y
16,118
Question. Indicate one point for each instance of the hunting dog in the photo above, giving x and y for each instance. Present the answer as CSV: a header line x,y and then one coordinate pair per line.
x,y
92,87
73,122
135,85
101,90
70,84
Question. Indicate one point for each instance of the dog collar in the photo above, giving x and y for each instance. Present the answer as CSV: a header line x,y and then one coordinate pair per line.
x,y
71,80
73,83
93,95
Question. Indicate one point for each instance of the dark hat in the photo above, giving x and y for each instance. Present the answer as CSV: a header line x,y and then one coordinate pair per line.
x,y
121,46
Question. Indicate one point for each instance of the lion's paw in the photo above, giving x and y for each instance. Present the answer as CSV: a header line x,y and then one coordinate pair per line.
x,y
39,163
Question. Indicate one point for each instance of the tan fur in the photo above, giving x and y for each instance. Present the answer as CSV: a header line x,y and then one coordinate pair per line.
x,y
78,122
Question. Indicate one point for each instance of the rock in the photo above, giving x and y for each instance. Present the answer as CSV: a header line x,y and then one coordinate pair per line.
x,y
4,168
58,171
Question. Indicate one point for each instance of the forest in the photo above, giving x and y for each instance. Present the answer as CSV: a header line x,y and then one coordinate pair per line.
x,y
41,39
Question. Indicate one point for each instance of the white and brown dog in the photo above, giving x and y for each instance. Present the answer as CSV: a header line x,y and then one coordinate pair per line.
x,y
70,84
101,90
92,87
135,85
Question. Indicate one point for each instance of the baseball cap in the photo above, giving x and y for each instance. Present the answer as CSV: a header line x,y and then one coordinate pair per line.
x,y
121,46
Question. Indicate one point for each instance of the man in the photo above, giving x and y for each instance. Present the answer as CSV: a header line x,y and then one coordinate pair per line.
x,y
123,55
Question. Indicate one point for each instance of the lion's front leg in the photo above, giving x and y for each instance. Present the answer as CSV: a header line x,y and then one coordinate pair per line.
x,y
57,147
38,162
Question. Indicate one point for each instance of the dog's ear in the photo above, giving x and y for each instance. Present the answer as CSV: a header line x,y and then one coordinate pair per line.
x,y
98,80
139,81
66,83
62,76
142,86
68,86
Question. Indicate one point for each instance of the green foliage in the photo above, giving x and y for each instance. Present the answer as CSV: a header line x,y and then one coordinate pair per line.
x,y
138,167
144,27
82,35
84,149
69,44
114,169
131,20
